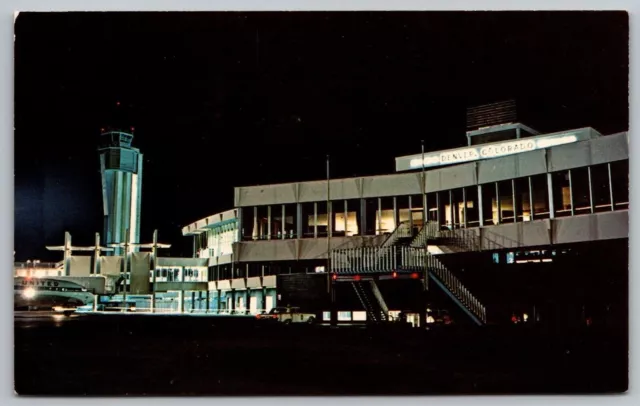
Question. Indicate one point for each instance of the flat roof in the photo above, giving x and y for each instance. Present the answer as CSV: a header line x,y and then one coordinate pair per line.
x,y
207,223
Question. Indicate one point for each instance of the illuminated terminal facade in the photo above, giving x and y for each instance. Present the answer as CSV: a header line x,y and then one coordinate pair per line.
x,y
508,227
516,226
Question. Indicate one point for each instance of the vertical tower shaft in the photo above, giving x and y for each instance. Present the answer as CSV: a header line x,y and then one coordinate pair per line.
x,y
121,173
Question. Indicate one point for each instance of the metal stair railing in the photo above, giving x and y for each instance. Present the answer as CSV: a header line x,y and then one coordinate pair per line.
x,y
497,241
470,240
464,239
402,231
381,302
456,290
375,314
374,259
428,231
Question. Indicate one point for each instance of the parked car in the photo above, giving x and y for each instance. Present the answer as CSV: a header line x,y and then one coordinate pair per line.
x,y
288,315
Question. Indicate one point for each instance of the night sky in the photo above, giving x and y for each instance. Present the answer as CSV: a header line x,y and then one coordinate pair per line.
x,y
230,99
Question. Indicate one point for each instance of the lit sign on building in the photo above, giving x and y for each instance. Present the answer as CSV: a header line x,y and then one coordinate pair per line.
x,y
491,150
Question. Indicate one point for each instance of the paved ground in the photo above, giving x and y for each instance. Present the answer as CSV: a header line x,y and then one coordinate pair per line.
x,y
171,355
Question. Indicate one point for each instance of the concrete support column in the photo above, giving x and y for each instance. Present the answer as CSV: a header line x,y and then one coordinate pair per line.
x,y
346,217
571,194
315,219
153,302
610,187
363,217
425,212
552,212
181,302
464,206
255,232
219,307
499,214
247,301
396,216
479,202
299,220
531,208
379,217
451,211
263,301
410,213
269,227
233,301
438,217
95,303
513,196
591,204
240,225
284,222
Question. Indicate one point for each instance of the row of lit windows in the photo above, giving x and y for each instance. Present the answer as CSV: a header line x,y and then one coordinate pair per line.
x,y
530,256
178,275
577,191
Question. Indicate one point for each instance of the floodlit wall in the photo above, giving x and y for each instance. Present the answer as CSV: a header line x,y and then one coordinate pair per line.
x,y
111,265
80,266
140,265
299,249
592,152
590,227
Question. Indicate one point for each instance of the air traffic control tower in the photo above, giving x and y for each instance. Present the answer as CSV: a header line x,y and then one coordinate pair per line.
x,y
121,172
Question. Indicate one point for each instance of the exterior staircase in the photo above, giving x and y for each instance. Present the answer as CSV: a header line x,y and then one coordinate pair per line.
x,y
372,300
428,232
401,233
456,290
403,250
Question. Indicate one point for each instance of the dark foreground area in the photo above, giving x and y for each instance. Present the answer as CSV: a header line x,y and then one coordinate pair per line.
x,y
181,355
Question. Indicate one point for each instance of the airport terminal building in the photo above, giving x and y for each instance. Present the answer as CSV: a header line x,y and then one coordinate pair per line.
x,y
533,223
516,226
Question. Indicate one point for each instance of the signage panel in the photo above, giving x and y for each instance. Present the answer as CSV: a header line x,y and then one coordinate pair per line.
x,y
488,151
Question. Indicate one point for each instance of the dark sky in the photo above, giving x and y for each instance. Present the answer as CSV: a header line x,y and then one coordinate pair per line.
x,y
229,99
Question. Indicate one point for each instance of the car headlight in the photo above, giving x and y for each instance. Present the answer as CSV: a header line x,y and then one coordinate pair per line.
x,y
29,293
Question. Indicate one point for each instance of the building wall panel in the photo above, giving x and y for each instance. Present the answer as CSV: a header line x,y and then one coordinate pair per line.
x,y
597,150
254,282
238,283
224,284
302,249
274,250
80,265
269,281
591,227
392,185
610,148
111,265
140,266
267,194
450,178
